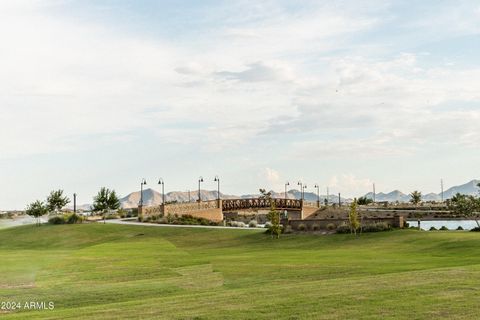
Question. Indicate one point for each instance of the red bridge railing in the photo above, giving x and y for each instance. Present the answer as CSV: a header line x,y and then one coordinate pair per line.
x,y
260,203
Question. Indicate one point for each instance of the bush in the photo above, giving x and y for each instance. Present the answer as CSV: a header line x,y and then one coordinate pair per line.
x,y
288,229
237,224
66,219
406,225
57,220
73,218
433,228
331,226
315,227
253,224
459,228
268,224
476,229
343,228
443,228
301,227
377,227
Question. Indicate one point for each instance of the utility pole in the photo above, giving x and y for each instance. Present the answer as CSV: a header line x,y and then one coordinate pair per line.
x,y
189,198
441,187
339,200
327,196
374,193
74,203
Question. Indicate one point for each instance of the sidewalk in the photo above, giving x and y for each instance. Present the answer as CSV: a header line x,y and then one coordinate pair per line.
x,y
119,221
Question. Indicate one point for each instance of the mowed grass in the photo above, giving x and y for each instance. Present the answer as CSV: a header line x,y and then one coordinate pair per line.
x,y
98,271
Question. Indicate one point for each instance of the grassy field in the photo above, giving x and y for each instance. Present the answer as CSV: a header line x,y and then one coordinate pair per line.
x,y
112,272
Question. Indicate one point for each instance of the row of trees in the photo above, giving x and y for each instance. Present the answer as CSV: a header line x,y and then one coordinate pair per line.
x,y
106,200
54,203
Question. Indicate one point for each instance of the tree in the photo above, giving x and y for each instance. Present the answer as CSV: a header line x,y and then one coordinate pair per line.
x,y
105,200
56,201
37,209
353,217
113,202
415,197
364,201
273,215
466,206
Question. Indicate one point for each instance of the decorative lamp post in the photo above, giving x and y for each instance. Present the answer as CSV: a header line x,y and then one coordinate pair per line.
x,y
162,183
286,197
144,182
200,180
301,189
74,203
318,194
217,180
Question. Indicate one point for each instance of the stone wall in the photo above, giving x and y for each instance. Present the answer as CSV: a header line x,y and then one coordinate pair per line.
x,y
322,224
210,210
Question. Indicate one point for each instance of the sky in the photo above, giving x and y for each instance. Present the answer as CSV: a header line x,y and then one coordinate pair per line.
x,y
339,93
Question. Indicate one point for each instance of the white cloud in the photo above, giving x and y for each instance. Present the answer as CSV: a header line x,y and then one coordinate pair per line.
x,y
349,184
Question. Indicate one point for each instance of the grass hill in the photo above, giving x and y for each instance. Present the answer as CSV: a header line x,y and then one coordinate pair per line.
x,y
97,271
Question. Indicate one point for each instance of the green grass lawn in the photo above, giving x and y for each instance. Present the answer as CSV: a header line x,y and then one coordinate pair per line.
x,y
97,271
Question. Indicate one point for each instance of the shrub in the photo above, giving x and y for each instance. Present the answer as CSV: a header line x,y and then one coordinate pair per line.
x,y
66,219
459,228
237,224
288,229
331,226
343,228
315,227
377,227
73,218
301,227
433,228
253,224
56,220
476,229
268,224
406,225
443,228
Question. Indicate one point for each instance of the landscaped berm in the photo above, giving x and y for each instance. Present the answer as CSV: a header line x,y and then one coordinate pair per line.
x,y
97,271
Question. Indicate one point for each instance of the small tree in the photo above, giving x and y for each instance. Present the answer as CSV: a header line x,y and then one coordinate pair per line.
x,y
353,217
273,215
37,209
464,205
56,201
113,202
415,197
364,201
105,200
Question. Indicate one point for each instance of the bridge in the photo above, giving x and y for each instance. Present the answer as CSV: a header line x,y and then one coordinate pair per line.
x,y
214,209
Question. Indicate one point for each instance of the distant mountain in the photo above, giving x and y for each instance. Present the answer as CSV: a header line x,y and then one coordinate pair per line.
x,y
393,196
152,197
469,188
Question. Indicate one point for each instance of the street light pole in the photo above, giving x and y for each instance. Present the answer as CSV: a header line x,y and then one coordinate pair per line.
x,y
217,180
301,189
74,203
200,180
162,183
144,182
286,185
318,194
